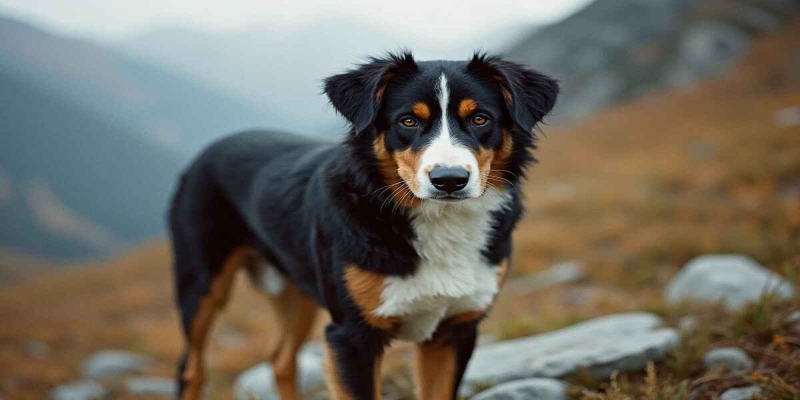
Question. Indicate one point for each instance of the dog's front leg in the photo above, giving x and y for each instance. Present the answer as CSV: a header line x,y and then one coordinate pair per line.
x,y
353,363
442,361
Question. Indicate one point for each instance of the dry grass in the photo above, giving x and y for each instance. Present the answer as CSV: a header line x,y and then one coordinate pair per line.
x,y
633,193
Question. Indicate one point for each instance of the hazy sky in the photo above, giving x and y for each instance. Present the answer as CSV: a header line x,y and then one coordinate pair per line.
x,y
442,21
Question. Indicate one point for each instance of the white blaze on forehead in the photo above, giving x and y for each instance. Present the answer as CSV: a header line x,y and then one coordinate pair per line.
x,y
445,150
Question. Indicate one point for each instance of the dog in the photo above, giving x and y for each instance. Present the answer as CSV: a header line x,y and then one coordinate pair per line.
x,y
402,231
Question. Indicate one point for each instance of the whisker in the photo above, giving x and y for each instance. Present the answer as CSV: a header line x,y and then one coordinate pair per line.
x,y
406,192
385,188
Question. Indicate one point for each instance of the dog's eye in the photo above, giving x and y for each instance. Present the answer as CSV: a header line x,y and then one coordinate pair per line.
x,y
408,122
480,120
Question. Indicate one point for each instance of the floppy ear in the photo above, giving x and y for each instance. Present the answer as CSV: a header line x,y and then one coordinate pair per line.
x,y
529,95
357,94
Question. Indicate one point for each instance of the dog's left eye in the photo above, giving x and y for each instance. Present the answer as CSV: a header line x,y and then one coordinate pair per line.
x,y
480,120
408,122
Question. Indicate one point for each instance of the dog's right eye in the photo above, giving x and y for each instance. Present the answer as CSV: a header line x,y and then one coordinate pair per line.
x,y
408,122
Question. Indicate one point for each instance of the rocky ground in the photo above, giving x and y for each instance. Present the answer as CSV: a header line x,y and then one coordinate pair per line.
x,y
658,260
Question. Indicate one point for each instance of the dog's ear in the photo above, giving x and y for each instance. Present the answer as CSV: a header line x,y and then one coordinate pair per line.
x,y
529,94
357,94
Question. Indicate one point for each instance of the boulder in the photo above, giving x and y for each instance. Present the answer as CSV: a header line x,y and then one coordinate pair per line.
x,y
566,272
622,342
526,389
740,393
733,359
258,382
151,386
734,280
111,363
80,390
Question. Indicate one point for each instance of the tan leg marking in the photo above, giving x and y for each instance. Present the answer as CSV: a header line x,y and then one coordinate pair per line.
x,y
365,288
292,315
436,369
210,304
333,377
436,359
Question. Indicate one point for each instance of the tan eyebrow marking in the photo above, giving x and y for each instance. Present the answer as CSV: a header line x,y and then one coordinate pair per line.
x,y
466,107
421,110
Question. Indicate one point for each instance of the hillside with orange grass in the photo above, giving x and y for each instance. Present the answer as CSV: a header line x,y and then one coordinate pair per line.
x,y
633,194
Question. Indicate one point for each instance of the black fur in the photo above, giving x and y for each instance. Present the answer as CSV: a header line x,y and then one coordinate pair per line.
x,y
312,207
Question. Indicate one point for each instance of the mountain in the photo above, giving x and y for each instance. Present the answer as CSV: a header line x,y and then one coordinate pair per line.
x,y
282,67
73,185
167,108
617,50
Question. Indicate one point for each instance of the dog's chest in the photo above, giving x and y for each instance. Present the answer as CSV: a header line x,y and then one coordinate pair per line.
x,y
453,276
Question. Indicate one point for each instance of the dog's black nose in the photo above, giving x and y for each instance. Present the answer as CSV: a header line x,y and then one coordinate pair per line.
x,y
449,179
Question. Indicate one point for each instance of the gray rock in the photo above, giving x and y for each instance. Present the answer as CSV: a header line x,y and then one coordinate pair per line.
x,y
566,272
526,389
733,279
740,393
687,323
794,320
37,349
622,342
258,382
732,358
80,390
788,117
151,386
111,363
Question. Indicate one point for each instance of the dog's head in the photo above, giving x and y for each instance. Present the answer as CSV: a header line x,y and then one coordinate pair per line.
x,y
445,130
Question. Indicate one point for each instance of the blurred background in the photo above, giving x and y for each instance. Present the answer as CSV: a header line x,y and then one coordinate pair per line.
x,y
677,135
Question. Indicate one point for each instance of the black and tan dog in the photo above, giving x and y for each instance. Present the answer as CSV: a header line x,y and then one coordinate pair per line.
x,y
401,232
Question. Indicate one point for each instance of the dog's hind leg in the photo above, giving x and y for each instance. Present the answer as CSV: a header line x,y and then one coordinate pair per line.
x,y
291,315
200,304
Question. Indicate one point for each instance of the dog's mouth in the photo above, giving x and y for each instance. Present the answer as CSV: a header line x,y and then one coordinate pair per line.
x,y
450,198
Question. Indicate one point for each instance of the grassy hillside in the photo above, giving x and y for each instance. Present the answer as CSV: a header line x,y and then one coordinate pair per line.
x,y
633,193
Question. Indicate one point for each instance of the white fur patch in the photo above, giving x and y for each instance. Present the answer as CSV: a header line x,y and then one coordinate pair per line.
x,y
445,151
270,280
453,276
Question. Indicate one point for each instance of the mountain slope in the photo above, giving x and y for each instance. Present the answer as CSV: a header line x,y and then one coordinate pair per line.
x,y
75,185
167,108
617,50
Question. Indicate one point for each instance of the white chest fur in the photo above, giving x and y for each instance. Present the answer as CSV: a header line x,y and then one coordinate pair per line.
x,y
453,276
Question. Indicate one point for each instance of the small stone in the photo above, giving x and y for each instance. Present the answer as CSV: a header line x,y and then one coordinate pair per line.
x,y
788,117
687,323
734,280
740,393
487,338
111,363
37,349
733,359
566,272
258,382
80,390
526,389
151,386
